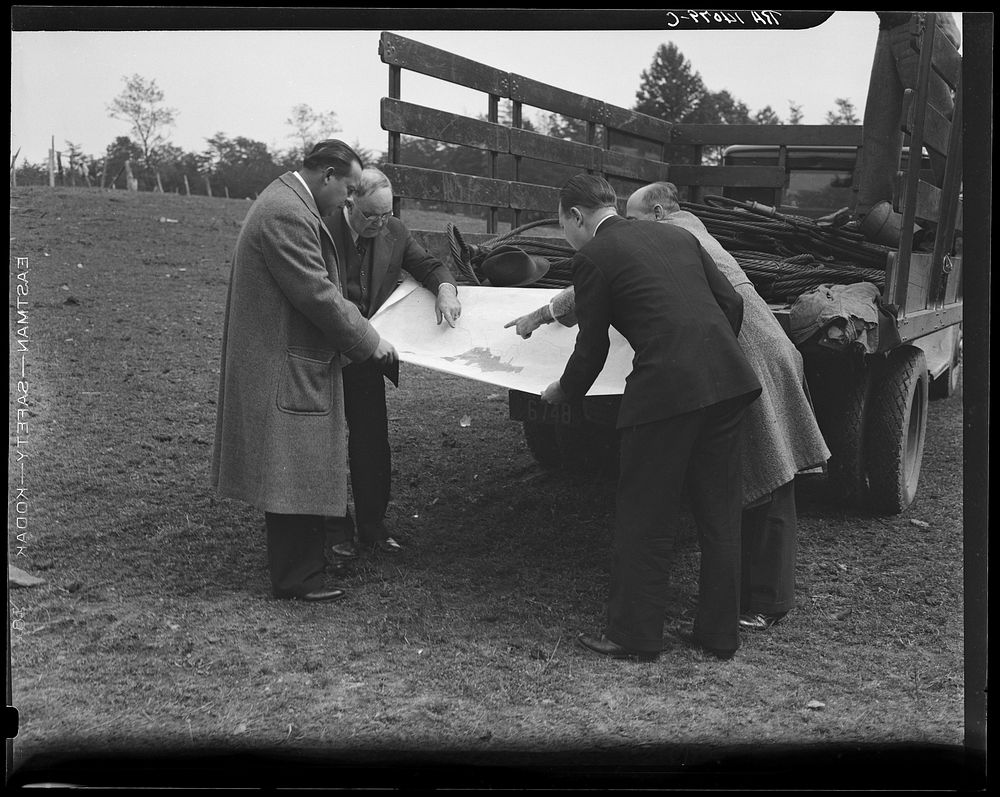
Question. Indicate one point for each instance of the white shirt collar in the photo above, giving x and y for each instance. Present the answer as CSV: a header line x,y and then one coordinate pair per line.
x,y
602,222
302,180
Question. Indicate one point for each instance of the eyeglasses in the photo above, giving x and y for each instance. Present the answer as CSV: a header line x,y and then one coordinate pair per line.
x,y
381,218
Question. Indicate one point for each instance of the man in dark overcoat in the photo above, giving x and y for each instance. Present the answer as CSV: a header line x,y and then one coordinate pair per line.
x,y
280,438
680,414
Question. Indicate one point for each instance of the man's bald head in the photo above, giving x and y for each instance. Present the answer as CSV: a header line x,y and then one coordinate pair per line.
x,y
653,202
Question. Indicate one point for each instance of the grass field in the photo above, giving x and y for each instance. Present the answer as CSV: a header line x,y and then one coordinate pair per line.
x,y
154,632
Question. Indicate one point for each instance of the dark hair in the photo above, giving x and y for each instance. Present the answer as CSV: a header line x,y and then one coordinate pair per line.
x,y
332,152
587,191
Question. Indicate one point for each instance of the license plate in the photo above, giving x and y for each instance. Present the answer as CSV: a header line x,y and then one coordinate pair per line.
x,y
525,407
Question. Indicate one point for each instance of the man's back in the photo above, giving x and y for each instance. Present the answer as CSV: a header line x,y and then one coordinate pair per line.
x,y
656,285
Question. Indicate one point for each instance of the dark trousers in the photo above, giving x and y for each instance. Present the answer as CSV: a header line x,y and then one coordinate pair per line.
x,y
368,451
295,553
894,70
706,447
770,532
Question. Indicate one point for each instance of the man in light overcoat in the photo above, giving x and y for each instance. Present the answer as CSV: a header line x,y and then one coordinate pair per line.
x,y
280,440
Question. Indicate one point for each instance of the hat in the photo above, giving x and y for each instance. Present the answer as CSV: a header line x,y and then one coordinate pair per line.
x,y
510,266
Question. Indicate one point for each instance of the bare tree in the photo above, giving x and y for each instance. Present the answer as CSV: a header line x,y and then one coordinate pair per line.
x,y
140,104
310,126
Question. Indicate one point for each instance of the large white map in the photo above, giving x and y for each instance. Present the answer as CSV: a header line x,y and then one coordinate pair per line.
x,y
479,347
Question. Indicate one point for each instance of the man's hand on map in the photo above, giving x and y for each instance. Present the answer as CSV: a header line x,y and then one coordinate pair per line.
x,y
527,324
447,306
554,393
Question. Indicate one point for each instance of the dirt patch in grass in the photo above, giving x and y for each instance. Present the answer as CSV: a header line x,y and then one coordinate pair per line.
x,y
154,630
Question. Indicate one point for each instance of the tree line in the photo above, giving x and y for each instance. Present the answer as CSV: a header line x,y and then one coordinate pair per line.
x,y
240,167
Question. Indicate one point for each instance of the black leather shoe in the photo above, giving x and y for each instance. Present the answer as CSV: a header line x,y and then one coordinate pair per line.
x,y
758,621
606,647
345,550
720,653
388,545
322,595
315,596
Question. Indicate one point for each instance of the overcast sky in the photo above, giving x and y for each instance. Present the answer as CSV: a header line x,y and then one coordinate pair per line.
x,y
244,83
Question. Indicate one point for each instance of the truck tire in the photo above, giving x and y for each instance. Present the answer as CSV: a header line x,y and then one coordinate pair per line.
x,y
844,430
947,383
896,429
589,449
542,443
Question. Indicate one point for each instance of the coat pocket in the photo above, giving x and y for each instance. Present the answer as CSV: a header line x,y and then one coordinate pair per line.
x,y
306,385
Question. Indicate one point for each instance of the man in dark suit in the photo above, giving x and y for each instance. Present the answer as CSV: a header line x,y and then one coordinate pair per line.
x,y
376,249
680,414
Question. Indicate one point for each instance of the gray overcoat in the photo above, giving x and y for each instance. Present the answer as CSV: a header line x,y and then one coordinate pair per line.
x,y
280,435
780,434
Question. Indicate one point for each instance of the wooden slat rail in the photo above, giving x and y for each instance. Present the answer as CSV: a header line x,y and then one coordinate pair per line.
x,y
424,122
637,124
408,54
416,183
550,98
542,147
525,196
618,164
782,135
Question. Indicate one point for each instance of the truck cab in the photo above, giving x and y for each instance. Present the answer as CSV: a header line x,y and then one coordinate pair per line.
x,y
820,179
